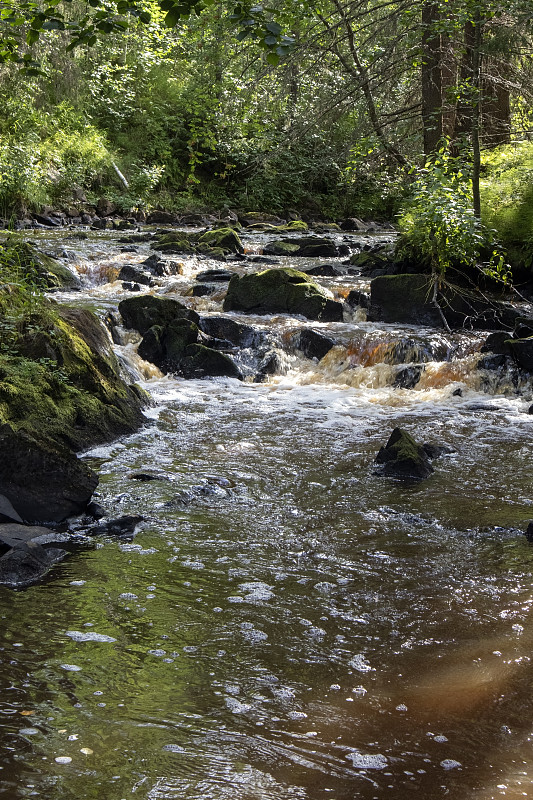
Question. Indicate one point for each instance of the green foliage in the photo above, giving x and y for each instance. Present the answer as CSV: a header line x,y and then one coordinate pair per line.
x,y
507,191
438,224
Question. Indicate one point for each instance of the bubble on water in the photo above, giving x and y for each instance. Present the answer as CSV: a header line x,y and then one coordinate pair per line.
x,y
236,707
86,751
235,599
217,609
440,738
77,583
335,687
256,591
70,667
450,763
174,748
73,737
401,707
190,649
255,636
157,652
28,731
150,596
63,759
360,663
193,564
296,715
151,588
324,587
127,596
367,760
90,636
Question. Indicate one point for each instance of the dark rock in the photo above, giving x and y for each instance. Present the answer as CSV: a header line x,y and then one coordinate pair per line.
x,y
494,362
237,333
262,260
529,532
408,299
48,222
402,457
105,207
27,553
130,249
128,286
326,270
95,510
281,248
124,527
43,482
100,224
281,291
457,393
497,343
272,364
314,344
149,476
198,220
7,512
86,219
129,272
522,350
408,377
204,362
434,451
202,290
254,217
216,275
353,224
160,218
142,313
357,299
315,246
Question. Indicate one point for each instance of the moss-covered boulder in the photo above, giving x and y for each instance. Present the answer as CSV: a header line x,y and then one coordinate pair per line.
x,y
60,391
304,246
35,267
281,248
180,347
402,457
224,238
285,291
145,311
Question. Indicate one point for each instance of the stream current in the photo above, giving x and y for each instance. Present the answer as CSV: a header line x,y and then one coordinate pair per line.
x,y
286,624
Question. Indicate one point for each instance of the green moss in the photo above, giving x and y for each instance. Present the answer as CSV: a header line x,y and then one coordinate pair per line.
x,y
507,191
225,238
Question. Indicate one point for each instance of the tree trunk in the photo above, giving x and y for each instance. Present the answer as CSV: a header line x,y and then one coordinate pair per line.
x,y
431,78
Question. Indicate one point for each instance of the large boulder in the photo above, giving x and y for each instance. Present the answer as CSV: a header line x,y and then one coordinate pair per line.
x,y
27,553
303,246
314,344
522,350
224,238
44,481
402,457
38,268
145,311
408,299
180,347
285,291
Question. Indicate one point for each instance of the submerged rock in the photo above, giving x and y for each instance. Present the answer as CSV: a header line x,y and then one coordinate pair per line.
x,y
402,457
282,290
27,553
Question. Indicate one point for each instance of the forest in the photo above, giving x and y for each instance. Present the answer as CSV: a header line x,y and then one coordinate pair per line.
x,y
266,397
330,109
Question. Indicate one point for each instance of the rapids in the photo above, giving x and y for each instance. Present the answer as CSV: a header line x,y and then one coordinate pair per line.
x,y
286,625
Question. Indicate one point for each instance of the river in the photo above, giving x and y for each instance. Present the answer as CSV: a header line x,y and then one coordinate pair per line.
x,y
286,625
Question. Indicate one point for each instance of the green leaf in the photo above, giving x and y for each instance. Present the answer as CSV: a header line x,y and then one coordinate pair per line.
x,y
145,17
53,25
270,40
273,59
273,27
32,36
173,17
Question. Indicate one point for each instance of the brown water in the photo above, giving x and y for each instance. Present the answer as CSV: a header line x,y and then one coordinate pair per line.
x,y
286,624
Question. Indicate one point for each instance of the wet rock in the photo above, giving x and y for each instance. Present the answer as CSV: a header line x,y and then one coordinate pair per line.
x,y
142,313
353,224
237,333
123,527
128,286
27,553
135,274
522,350
95,510
224,238
48,222
272,364
248,218
408,299
314,344
528,533
402,457
178,347
283,290
42,269
326,270
149,476
215,275
434,451
497,343
408,377
203,290
357,299
262,260
495,362
44,482
160,267
281,248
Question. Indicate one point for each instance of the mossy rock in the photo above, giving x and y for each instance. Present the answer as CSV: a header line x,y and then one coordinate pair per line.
x,y
216,253
281,248
205,362
175,247
224,238
402,457
37,268
283,290
145,311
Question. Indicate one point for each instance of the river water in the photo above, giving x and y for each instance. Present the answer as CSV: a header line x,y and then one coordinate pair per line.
x,y
285,623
